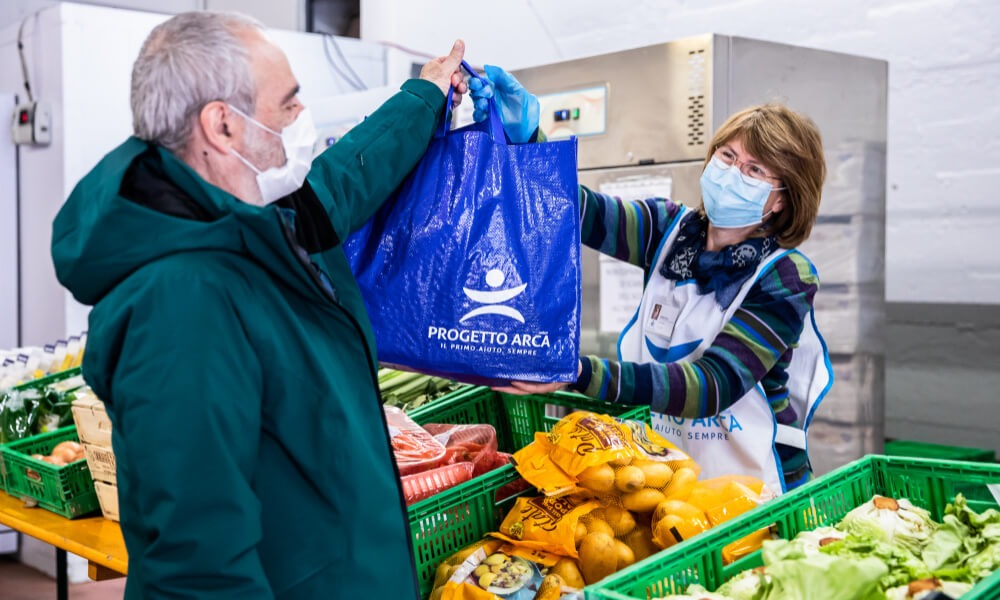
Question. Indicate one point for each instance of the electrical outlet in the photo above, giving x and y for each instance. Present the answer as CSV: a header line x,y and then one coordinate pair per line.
x,y
32,124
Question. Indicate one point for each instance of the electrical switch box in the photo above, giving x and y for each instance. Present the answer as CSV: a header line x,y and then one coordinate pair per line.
x,y
32,123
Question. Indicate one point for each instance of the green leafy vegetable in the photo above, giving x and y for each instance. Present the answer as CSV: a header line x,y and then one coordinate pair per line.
x,y
407,391
921,588
903,566
893,521
748,585
804,544
826,577
696,592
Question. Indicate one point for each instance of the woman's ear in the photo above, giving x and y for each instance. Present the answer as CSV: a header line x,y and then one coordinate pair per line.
x,y
779,202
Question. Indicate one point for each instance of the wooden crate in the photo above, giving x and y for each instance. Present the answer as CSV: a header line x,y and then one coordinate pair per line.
x,y
101,461
107,495
92,422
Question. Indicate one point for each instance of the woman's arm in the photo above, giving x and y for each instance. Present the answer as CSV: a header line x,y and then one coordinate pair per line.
x,y
768,323
629,231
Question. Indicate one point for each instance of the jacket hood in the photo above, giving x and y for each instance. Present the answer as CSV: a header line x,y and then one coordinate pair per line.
x,y
106,231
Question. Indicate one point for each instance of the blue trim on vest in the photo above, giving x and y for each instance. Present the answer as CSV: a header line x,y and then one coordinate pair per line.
x,y
774,435
673,353
829,371
649,275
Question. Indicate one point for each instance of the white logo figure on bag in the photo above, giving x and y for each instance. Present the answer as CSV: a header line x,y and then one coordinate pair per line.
x,y
494,279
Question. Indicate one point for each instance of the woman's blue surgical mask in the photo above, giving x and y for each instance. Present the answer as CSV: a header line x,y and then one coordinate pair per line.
x,y
732,200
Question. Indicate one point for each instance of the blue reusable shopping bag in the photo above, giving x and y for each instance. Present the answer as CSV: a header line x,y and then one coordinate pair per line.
x,y
472,270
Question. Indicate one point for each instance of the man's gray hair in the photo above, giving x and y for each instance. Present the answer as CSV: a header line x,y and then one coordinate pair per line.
x,y
186,62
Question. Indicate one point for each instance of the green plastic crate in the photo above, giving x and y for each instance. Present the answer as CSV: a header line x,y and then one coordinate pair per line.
x,y
937,451
67,490
517,418
930,484
449,521
37,384
49,379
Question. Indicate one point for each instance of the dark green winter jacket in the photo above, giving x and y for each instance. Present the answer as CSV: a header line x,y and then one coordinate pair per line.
x,y
253,457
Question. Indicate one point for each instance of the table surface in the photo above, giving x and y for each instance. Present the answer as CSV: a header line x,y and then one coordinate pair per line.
x,y
94,538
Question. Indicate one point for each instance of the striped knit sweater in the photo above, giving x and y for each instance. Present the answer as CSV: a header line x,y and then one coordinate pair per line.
x,y
755,346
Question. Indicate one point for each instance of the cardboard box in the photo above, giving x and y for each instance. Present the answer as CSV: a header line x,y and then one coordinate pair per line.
x,y
101,461
107,495
92,422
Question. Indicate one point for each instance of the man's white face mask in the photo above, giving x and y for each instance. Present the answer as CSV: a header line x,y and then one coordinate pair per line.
x,y
298,140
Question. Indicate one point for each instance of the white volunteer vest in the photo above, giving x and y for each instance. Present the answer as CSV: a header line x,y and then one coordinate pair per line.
x,y
675,323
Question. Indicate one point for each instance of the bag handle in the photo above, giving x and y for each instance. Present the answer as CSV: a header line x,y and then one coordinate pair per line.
x,y
496,123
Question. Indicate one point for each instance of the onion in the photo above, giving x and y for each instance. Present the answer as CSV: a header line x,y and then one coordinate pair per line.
x,y
68,451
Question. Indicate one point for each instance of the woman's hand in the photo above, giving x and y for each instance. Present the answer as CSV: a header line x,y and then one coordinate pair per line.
x,y
519,109
524,388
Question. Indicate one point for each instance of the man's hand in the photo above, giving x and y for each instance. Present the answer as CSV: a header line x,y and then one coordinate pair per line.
x,y
444,72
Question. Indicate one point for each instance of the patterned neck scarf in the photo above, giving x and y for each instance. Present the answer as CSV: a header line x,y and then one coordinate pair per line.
x,y
723,272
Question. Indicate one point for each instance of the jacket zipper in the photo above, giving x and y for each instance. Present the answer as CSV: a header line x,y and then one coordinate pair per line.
x,y
373,373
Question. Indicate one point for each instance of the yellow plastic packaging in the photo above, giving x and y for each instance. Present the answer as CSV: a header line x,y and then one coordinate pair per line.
x,y
675,521
726,497
620,462
584,439
489,570
534,463
546,524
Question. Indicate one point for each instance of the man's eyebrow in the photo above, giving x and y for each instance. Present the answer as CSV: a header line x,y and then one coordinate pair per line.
x,y
291,94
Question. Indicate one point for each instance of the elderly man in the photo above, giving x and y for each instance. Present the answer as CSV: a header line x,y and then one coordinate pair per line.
x,y
228,337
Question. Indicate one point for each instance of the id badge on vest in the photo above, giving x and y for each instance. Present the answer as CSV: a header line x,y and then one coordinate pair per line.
x,y
663,316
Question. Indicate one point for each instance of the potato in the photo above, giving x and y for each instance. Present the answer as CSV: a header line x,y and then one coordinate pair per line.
x,y
625,555
641,543
630,479
569,571
675,507
620,520
686,522
621,462
658,474
663,532
550,588
681,484
643,501
600,479
600,526
598,557
581,531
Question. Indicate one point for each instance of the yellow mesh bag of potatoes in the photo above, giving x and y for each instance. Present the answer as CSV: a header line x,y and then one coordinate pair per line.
x,y
617,461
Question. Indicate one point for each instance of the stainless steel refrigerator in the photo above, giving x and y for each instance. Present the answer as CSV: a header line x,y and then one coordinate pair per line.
x,y
644,118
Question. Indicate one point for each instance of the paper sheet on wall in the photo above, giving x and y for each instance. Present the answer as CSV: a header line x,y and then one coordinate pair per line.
x,y
620,282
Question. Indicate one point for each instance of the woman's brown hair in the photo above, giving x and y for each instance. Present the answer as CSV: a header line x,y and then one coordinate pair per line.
x,y
789,145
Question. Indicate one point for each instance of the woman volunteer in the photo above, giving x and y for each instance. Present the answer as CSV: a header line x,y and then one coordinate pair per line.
x,y
723,347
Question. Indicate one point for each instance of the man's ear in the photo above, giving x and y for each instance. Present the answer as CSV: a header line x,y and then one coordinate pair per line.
x,y
219,126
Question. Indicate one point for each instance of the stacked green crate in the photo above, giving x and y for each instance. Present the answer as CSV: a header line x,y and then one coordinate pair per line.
x,y
917,449
447,522
930,484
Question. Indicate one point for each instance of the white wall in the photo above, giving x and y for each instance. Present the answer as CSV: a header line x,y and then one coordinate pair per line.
x,y
85,74
944,99
279,14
